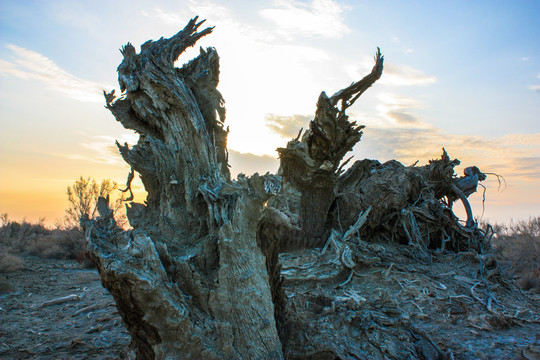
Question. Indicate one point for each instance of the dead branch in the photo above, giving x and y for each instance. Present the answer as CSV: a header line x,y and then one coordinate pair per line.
x,y
59,300
92,307
350,94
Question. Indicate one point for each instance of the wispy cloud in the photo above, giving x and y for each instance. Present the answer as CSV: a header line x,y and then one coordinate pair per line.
x,y
247,163
165,17
101,149
283,67
397,111
403,75
77,15
391,101
397,75
30,65
314,18
490,154
223,18
397,132
535,87
286,126
528,166
234,35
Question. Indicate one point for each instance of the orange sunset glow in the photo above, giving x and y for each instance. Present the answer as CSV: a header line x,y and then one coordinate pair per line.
x,y
449,81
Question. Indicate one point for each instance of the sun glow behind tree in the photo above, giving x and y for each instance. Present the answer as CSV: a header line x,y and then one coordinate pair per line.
x,y
450,81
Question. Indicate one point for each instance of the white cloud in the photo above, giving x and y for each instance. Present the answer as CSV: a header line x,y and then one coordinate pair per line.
x,y
390,101
207,9
395,110
77,14
31,65
397,132
101,149
247,163
396,75
535,87
287,126
402,75
500,155
165,17
315,18
270,75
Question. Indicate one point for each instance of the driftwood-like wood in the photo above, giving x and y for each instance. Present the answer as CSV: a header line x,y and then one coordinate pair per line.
x,y
199,274
190,278
310,166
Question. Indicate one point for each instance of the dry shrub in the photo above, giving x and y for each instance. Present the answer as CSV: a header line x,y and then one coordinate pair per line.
x,y
10,263
57,244
519,246
530,280
5,286
84,261
38,240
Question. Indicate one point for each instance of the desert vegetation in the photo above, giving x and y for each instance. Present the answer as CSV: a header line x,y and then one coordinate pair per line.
x,y
24,238
65,239
240,268
52,306
518,247
82,197
317,261
517,244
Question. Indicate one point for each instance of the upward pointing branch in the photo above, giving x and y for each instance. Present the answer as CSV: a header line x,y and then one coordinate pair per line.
x,y
351,93
166,51
185,38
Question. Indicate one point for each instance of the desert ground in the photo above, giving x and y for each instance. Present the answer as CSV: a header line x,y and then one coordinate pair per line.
x,y
58,309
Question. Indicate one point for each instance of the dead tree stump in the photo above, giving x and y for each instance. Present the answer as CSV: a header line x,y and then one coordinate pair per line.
x,y
198,276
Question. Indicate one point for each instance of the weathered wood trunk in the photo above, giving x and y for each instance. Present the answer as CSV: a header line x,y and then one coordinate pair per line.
x,y
199,276
189,279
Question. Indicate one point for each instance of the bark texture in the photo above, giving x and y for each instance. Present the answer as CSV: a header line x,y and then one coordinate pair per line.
x,y
199,274
189,279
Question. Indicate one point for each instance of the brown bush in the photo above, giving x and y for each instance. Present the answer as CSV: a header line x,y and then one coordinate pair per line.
x,y
5,286
518,245
38,240
10,263
84,261
530,281
57,244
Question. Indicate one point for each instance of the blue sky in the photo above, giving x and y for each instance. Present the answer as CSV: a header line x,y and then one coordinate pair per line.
x,y
458,74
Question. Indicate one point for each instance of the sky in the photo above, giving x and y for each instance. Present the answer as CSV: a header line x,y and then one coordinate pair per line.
x,y
461,75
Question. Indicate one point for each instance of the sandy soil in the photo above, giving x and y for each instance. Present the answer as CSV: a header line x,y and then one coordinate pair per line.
x,y
84,325
399,302
56,309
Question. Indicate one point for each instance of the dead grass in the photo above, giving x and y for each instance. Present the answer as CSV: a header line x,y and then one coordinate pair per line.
x,y
518,245
10,263
25,238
